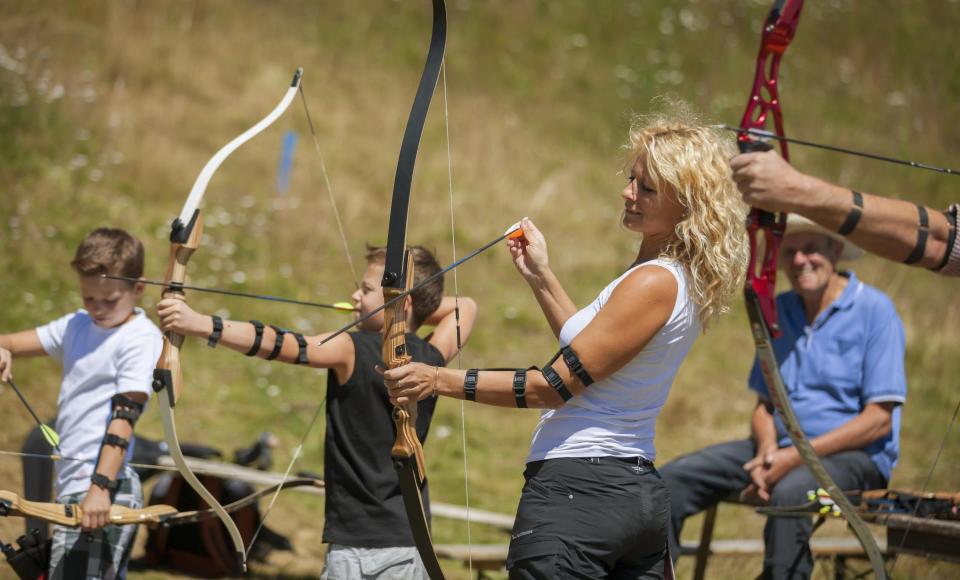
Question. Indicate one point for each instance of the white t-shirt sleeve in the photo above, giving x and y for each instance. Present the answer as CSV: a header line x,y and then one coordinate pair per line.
x,y
51,335
136,361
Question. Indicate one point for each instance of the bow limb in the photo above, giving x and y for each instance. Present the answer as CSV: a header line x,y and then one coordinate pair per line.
x,y
778,31
185,236
407,453
71,515
199,515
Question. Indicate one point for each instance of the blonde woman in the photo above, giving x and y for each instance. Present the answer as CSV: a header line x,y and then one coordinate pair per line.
x,y
593,505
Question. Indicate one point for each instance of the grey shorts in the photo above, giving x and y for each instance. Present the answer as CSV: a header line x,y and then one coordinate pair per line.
x,y
350,563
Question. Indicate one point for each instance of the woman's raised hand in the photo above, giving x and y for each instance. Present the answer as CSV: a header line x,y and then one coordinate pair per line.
x,y
529,251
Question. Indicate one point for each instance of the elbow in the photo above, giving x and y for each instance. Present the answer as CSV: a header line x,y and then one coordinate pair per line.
x,y
553,404
544,397
884,426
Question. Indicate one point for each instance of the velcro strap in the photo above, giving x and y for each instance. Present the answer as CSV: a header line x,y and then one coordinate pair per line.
x,y
121,400
129,415
116,441
258,328
278,342
214,337
576,366
520,388
922,232
302,343
470,385
853,218
556,382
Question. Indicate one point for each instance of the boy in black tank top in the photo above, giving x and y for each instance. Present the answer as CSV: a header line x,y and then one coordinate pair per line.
x,y
365,522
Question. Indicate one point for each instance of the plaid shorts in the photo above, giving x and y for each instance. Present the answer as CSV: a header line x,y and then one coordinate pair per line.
x,y
103,553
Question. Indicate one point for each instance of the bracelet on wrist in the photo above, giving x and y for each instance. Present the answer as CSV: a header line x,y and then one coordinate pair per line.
x,y
214,337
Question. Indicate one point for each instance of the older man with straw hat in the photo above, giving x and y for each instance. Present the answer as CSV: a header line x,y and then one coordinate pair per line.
x,y
841,357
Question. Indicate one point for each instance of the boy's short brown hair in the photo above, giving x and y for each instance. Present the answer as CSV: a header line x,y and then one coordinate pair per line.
x,y
427,299
109,251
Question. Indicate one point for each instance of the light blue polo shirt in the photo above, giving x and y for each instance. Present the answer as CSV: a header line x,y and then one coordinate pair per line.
x,y
851,355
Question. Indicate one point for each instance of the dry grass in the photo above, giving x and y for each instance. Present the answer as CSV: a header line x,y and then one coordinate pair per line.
x,y
109,110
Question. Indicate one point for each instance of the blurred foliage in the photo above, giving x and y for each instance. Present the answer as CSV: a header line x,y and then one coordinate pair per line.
x,y
108,110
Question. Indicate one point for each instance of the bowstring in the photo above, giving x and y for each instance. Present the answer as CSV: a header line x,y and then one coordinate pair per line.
x,y
923,490
286,474
456,310
329,188
196,469
356,282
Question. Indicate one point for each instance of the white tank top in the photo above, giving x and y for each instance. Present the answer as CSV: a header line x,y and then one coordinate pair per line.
x,y
616,417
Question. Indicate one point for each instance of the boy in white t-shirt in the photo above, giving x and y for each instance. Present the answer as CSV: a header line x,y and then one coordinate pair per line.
x,y
108,349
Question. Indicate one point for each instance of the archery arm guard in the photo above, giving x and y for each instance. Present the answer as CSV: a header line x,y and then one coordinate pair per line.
x,y
126,408
576,367
555,380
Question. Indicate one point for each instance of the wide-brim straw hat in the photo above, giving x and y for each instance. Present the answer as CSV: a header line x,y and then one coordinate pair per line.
x,y
797,224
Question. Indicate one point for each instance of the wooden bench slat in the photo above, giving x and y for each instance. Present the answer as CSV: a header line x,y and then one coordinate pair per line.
x,y
839,546
494,556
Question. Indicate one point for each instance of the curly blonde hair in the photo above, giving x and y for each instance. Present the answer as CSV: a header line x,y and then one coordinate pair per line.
x,y
691,161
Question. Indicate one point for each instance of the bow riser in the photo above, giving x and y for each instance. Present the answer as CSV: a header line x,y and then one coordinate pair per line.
x,y
407,445
169,372
778,31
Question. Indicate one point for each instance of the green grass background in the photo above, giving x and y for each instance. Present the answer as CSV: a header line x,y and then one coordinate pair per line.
x,y
108,110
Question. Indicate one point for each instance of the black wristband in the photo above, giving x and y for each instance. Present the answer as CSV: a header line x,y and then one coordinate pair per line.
x,y
214,337
922,232
278,342
520,387
302,343
103,482
853,218
258,328
470,385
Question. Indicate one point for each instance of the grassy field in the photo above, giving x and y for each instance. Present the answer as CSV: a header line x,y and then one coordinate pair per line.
x,y
108,110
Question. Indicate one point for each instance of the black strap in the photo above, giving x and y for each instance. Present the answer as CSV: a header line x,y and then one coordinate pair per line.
x,y
121,400
103,482
129,415
951,216
302,343
214,337
115,441
278,342
576,367
922,232
556,382
470,385
258,327
853,218
520,388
